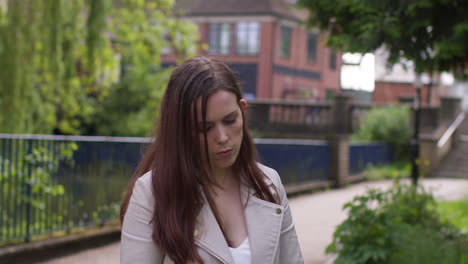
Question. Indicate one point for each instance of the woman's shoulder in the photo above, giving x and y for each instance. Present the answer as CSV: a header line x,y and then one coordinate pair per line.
x,y
272,175
146,178
143,188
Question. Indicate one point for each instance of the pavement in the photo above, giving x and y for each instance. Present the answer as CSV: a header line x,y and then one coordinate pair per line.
x,y
316,216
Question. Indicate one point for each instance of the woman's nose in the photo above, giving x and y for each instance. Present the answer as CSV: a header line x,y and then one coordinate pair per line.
x,y
221,135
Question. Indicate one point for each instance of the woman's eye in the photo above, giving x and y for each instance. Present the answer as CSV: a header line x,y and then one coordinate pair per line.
x,y
230,121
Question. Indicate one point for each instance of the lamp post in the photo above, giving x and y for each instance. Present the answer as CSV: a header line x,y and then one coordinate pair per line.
x,y
415,141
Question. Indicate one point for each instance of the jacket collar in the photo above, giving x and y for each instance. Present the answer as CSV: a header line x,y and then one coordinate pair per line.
x,y
208,235
263,220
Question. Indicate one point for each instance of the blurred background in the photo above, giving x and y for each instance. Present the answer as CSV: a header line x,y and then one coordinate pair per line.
x,y
339,92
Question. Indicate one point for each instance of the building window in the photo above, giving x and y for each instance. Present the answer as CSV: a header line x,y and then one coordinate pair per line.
x,y
247,38
285,47
218,38
332,59
311,47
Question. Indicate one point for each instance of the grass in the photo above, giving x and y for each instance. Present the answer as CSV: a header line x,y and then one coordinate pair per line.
x,y
456,212
388,172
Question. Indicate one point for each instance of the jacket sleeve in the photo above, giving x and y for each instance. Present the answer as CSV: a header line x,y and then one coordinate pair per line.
x,y
136,243
289,249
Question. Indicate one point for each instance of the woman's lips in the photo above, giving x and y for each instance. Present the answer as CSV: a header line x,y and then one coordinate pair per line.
x,y
224,153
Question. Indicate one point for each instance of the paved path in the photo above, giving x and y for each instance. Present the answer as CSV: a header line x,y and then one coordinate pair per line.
x,y
316,216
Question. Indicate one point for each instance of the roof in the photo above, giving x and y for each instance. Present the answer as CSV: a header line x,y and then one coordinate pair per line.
x,y
279,8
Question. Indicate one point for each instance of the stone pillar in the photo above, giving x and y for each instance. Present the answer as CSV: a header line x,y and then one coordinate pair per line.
x,y
427,156
258,115
341,116
339,159
450,107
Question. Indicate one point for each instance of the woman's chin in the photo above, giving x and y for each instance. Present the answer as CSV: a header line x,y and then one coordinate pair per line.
x,y
225,164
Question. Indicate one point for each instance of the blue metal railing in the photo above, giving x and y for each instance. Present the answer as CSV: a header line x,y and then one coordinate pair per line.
x,y
297,161
57,183
363,155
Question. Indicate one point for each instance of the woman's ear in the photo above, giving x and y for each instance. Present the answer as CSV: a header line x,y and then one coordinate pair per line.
x,y
243,105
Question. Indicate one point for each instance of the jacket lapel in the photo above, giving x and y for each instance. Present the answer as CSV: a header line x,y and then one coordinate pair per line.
x,y
263,221
209,237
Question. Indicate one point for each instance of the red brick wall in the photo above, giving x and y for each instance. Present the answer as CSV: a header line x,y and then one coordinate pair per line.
x,y
390,92
329,79
264,81
270,85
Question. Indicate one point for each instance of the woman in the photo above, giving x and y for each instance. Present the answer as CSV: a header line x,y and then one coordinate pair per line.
x,y
198,195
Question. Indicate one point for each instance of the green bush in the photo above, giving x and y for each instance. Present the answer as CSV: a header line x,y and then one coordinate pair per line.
x,y
381,225
426,246
390,124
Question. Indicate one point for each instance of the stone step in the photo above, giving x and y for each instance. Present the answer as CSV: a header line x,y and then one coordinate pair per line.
x,y
450,174
455,160
464,125
458,156
461,149
454,171
450,163
462,145
455,165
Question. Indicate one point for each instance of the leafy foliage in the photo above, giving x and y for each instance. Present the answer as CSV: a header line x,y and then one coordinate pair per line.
x,y
390,124
61,59
427,246
27,179
61,193
382,224
431,33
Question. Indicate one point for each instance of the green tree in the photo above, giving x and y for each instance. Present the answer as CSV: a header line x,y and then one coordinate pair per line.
x,y
431,33
60,59
142,31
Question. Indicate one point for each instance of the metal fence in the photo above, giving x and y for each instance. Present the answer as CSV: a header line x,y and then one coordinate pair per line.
x,y
363,155
54,184
57,183
297,161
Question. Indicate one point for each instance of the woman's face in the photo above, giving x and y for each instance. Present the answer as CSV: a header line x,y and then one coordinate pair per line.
x,y
223,129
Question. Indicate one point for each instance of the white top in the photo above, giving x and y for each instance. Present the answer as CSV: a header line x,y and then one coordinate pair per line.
x,y
241,254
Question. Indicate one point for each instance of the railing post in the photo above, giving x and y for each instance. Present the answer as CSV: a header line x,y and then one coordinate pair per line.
x,y
339,160
27,237
258,115
338,140
341,116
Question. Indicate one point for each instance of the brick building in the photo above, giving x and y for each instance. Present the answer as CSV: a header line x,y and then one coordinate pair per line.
x,y
396,82
267,44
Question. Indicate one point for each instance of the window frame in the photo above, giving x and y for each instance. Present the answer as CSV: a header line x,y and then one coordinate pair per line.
x,y
219,30
285,35
310,58
249,27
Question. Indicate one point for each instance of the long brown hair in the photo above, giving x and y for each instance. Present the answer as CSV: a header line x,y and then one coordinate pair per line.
x,y
178,176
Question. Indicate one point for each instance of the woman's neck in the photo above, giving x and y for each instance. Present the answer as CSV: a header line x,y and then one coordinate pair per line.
x,y
224,177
